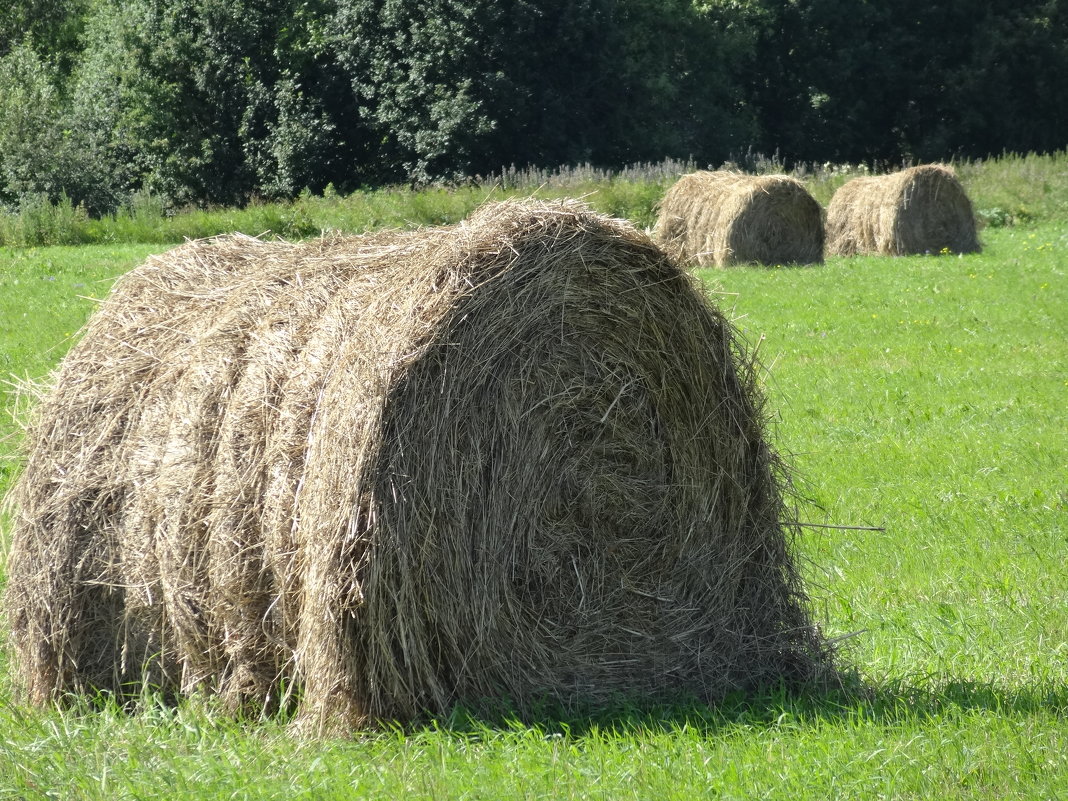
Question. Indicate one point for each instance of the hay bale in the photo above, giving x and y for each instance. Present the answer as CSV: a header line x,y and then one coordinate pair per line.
x,y
372,477
919,210
723,218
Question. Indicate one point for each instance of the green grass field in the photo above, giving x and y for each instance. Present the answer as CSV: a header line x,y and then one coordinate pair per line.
x,y
924,396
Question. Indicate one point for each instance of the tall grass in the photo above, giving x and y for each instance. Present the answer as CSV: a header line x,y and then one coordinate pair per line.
x,y
1006,191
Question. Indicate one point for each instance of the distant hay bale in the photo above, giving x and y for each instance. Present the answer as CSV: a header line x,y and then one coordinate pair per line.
x,y
361,478
919,210
723,218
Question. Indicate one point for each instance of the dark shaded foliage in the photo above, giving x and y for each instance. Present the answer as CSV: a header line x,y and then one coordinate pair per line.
x,y
844,80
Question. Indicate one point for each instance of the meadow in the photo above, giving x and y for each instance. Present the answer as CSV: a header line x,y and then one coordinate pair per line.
x,y
921,404
1011,190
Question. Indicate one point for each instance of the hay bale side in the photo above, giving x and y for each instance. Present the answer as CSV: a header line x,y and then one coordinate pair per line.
x,y
723,218
919,210
518,458
75,479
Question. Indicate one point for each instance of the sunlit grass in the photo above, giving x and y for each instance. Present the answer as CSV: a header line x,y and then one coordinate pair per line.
x,y
924,396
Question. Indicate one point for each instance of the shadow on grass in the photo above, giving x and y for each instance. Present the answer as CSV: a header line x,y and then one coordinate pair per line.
x,y
889,704
852,704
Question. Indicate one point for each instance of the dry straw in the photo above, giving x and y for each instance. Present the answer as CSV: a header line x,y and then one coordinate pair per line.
x,y
919,210
361,478
723,218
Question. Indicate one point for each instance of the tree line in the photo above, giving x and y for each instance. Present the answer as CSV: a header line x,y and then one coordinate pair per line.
x,y
221,101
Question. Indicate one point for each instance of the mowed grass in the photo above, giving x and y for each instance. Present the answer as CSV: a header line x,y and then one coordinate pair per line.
x,y
924,396
928,396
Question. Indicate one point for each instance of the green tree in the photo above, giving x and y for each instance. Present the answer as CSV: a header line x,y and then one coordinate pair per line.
x,y
50,27
31,133
216,101
454,87
426,75
620,81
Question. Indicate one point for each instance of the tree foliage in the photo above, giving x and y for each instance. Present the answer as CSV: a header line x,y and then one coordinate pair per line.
x,y
221,101
46,26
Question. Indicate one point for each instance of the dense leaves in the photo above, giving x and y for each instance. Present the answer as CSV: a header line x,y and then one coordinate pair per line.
x,y
852,80
461,88
223,101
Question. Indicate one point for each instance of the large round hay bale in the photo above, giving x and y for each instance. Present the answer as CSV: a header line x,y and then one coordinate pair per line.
x,y
723,218
517,458
919,210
